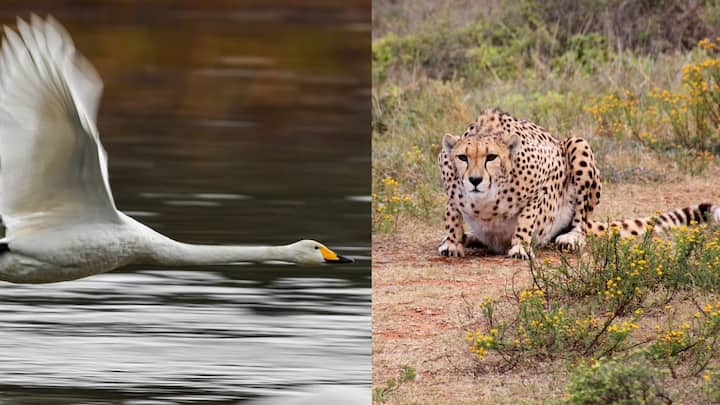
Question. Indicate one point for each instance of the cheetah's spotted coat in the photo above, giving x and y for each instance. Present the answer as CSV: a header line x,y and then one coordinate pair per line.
x,y
516,185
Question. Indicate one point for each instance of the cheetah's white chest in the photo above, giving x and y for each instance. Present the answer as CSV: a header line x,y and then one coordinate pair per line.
x,y
495,232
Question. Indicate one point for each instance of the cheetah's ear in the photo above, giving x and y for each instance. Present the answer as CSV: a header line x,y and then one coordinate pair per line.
x,y
512,141
449,142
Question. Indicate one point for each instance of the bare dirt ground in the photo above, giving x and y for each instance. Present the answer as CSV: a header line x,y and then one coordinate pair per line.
x,y
421,303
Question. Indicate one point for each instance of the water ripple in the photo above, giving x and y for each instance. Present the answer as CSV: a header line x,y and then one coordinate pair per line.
x,y
206,334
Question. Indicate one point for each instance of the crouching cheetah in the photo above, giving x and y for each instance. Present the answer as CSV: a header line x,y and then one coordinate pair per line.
x,y
515,184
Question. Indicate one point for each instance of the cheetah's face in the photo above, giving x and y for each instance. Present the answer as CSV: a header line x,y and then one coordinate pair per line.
x,y
479,162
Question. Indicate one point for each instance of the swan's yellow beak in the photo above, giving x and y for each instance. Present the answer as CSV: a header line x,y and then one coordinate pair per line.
x,y
331,257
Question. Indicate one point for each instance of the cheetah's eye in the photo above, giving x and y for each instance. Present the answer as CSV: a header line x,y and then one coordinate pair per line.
x,y
462,157
490,158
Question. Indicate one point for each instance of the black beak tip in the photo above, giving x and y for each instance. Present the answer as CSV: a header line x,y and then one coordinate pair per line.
x,y
342,259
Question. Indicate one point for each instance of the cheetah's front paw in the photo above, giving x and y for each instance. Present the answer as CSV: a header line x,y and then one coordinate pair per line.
x,y
570,241
451,249
518,252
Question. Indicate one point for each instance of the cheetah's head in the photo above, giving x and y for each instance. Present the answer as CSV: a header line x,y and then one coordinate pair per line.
x,y
480,161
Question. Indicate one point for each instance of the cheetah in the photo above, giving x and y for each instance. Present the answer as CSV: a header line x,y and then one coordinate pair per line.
x,y
518,186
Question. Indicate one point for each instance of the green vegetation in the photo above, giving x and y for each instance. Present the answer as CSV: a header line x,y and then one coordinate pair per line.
x,y
591,305
631,381
649,299
637,79
406,373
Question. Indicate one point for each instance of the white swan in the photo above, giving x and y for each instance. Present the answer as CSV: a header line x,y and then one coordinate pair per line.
x,y
55,200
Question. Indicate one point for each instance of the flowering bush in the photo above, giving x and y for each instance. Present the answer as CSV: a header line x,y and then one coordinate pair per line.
x,y
594,305
388,203
685,123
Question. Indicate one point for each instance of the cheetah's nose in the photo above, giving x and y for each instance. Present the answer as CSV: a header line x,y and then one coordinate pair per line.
x,y
475,180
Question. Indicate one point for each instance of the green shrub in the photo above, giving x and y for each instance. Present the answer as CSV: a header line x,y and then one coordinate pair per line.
x,y
591,305
586,52
630,381
711,386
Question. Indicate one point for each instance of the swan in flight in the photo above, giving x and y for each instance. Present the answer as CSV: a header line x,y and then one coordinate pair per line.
x,y
55,199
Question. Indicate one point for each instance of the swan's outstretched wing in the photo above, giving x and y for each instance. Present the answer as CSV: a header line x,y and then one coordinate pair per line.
x,y
52,165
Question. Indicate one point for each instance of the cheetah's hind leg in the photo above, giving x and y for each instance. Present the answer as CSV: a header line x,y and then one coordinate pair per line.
x,y
586,188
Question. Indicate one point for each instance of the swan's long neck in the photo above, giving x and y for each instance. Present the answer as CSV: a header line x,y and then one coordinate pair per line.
x,y
173,253
159,249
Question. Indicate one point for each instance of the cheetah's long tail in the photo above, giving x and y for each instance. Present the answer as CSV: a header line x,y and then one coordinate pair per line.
x,y
694,214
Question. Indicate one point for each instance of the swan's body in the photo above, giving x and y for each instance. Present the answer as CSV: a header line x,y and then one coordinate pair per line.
x,y
55,198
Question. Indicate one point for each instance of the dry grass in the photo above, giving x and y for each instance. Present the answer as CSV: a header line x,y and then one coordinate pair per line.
x,y
421,303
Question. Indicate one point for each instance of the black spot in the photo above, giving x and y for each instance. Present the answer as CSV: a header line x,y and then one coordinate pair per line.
x,y
704,210
687,213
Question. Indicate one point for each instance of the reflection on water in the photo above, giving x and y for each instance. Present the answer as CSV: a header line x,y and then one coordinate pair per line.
x,y
178,335
222,126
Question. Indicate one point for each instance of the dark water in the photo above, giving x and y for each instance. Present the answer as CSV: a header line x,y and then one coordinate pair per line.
x,y
222,125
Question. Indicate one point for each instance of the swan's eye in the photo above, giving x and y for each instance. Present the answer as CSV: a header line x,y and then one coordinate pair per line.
x,y
462,157
490,158
317,247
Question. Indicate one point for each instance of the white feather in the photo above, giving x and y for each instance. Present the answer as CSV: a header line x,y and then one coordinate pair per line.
x,y
52,168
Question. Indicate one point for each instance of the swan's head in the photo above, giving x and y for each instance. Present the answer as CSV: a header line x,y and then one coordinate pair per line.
x,y
312,252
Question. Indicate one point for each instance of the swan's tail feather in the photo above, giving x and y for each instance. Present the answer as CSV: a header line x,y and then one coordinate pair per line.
x,y
662,221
